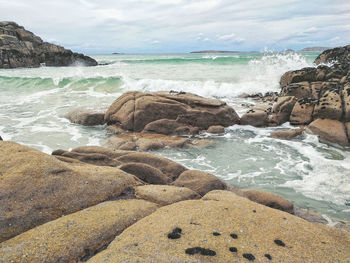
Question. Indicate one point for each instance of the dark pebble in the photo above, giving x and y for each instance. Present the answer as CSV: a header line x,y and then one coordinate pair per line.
x,y
268,256
216,234
234,236
250,257
279,243
233,249
200,250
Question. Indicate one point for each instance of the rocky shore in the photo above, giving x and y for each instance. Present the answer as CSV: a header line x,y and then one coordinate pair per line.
x,y
120,204
21,48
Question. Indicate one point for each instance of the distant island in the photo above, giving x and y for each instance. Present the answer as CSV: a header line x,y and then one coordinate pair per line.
x,y
315,49
214,51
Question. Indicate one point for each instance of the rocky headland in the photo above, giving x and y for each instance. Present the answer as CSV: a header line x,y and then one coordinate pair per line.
x,y
21,48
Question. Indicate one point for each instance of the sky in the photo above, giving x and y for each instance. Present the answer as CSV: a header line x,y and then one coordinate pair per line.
x,y
175,26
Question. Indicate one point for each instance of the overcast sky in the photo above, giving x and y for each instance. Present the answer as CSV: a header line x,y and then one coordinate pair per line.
x,y
137,26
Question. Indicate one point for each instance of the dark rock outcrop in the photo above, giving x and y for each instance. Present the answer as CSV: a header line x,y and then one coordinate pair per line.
x,y
319,96
21,48
169,113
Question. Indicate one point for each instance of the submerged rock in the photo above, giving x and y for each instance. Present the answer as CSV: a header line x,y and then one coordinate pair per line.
x,y
77,236
21,48
36,188
168,113
223,227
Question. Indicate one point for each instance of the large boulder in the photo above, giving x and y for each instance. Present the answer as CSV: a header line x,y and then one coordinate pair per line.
x,y
286,134
199,181
328,130
77,236
339,54
21,48
169,113
36,188
223,227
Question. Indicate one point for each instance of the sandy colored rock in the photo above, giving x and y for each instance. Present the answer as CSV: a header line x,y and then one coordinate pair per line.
x,y
168,167
169,113
329,106
75,236
217,129
146,142
199,181
91,158
286,134
269,199
221,228
256,118
36,188
346,98
302,112
165,194
86,117
146,173
332,131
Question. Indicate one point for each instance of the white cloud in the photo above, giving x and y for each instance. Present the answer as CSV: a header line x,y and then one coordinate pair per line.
x,y
231,37
131,25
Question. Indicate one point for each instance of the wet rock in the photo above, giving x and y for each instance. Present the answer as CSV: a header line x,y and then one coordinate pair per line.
x,y
328,130
329,106
146,173
303,75
217,129
152,141
286,134
199,181
165,194
86,117
21,48
1,139
346,99
270,200
168,113
36,188
302,112
75,236
226,213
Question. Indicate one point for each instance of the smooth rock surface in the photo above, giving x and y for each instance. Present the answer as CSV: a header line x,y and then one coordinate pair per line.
x,y
223,227
36,188
75,236
199,181
169,113
286,134
165,194
146,173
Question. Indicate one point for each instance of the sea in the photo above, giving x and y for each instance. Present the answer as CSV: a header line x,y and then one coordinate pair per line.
x,y
313,175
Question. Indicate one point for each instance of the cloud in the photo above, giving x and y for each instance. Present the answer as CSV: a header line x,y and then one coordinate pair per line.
x,y
130,25
231,37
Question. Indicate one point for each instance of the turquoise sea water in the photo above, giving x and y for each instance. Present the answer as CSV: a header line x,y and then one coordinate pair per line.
x,y
309,173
